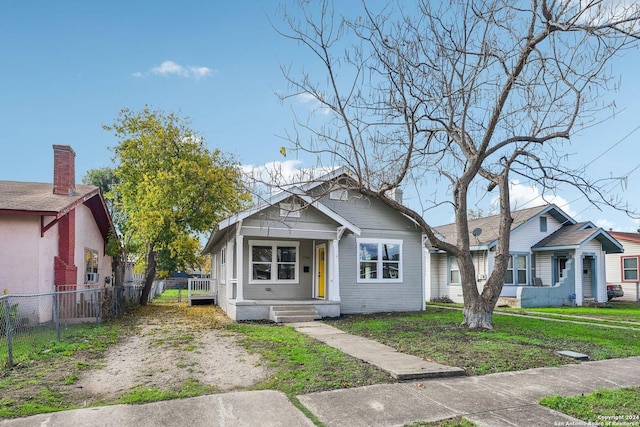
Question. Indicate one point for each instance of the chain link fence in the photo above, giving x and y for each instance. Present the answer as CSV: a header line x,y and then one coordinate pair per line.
x,y
31,321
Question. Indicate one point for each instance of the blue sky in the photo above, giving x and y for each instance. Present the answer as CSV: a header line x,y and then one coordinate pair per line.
x,y
69,67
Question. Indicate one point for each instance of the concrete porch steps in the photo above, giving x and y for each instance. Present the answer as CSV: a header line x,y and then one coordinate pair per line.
x,y
507,302
293,313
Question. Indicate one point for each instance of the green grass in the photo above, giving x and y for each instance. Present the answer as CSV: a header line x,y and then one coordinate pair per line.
x,y
303,365
616,312
172,295
515,343
35,382
190,388
609,407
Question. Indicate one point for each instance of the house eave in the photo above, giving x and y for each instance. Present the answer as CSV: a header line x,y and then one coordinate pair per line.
x,y
556,248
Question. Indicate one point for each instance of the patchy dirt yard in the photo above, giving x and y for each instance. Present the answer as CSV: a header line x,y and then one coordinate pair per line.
x,y
168,345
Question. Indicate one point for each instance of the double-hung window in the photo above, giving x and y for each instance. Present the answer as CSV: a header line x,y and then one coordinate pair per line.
x,y
630,269
454,271
274,262
91,266
379,260
517,268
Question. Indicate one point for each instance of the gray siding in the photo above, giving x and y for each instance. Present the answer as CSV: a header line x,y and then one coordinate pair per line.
x,y
370,214
311,224
302,289
380,297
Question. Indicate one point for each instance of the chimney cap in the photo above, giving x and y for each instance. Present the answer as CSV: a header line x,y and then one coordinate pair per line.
x,y
64,148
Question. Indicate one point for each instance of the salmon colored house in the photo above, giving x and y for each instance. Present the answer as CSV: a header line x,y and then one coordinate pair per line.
x,y
53,236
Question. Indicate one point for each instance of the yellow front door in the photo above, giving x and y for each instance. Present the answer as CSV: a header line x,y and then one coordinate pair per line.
x,y
321,269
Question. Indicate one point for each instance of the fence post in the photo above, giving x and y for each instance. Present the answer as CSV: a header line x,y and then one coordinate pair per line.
x,y
7,321
56,316
96,305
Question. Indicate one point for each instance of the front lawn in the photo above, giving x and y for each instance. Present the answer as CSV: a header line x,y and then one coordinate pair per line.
x,y
604,407
515,343
621,312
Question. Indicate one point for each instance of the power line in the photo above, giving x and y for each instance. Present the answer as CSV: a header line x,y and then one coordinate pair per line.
x,y
613,146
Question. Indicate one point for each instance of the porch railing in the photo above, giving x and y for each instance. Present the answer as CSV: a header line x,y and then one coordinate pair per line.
x,y
201,289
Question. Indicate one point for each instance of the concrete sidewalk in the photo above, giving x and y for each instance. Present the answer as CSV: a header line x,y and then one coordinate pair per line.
x,y
399,365
240,409
504,399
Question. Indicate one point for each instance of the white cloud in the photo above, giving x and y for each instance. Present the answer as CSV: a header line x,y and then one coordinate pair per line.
x,y
272,177
606,224
169,68
527,196
316,106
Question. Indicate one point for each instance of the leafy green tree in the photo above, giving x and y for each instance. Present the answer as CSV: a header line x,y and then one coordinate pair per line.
x,y
171,187
117,245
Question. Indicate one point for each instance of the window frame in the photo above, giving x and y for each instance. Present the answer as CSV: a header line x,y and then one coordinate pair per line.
x,y
543,224
340,194
380,263
451,262
274,263
290,209
514,269
95,256
623,270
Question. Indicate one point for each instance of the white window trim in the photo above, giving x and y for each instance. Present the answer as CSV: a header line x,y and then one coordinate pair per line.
x,y
274,261
514,257
223,264
380,262
450,260
92,277
290,210
624,270
340,194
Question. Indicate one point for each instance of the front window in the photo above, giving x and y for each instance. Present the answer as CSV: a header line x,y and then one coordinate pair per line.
x,y
454,271
91,266
379,261
519,273
274,262
630,269
543,224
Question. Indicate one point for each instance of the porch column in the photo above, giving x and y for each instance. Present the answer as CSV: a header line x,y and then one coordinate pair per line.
x,y
239,266
334,273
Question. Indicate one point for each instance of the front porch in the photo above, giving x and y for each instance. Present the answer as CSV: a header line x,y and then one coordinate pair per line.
x,y
254,309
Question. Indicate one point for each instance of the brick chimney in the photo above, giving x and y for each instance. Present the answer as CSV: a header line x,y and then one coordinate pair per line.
x,y
64,170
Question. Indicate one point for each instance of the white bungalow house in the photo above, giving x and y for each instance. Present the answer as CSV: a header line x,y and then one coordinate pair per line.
x,y
554,259
329,252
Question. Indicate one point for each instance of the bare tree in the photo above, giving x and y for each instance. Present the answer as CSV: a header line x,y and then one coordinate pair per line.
x,y
468,92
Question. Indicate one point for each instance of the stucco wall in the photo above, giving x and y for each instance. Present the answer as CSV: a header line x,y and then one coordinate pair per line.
x,y
88,236
24,268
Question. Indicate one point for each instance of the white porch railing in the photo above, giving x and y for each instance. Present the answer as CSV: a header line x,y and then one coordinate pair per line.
x,y
201,289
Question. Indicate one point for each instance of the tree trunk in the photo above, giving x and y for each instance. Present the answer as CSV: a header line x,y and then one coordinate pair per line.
x,y
479,314
119,269
149,275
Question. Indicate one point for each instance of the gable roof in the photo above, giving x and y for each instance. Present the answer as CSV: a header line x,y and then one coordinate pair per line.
x,y
489,225
37,198
575,235
274,200
620,235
